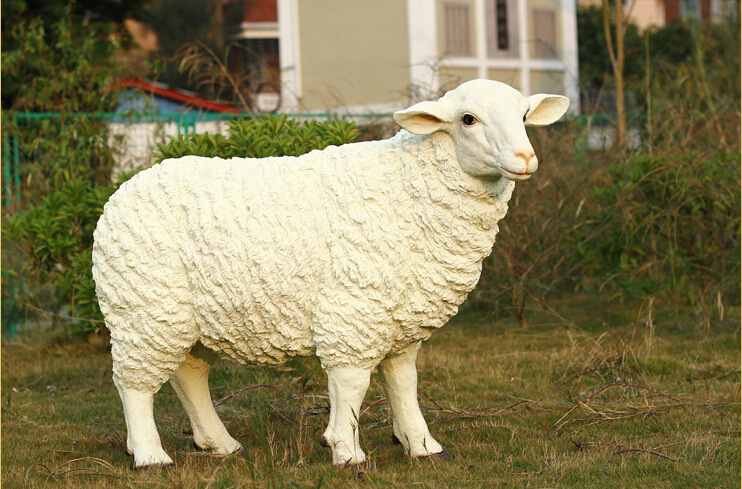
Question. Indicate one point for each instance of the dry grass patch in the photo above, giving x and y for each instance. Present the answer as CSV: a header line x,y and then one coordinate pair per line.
x,y
605,399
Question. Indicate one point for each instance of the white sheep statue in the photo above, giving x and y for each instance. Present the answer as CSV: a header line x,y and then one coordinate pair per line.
x,y
354,253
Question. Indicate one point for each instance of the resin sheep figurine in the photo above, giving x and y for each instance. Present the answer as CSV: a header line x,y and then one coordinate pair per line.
x,y
355,254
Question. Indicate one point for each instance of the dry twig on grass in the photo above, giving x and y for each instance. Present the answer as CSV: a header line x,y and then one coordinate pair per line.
x,y
529,404
641,450
230,396
653,451
604,388
60,471
282,414
602,418
733,371
113,438
597,415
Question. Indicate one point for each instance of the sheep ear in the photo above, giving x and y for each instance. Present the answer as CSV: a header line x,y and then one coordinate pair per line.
x,y
545,109
423,118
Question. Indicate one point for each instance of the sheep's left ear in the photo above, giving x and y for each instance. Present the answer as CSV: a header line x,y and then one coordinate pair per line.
x,y
423,118
545,109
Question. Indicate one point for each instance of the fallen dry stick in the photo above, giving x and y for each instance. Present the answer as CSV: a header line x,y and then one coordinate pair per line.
x,y
641,450
225,399
654,451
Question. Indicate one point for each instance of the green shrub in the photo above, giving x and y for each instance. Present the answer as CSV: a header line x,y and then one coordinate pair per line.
x,y
261,137
665,225
672,226
531,257
663,220
63,162
55,237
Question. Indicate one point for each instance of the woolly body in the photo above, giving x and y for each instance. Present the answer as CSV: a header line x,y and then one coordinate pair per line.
x,y
354,251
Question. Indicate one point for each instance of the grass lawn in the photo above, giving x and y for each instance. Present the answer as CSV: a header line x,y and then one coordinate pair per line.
x,y
608,395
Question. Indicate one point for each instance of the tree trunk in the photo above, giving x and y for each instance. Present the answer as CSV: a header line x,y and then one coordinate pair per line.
x,y
617,63
618,72
520,310
522,318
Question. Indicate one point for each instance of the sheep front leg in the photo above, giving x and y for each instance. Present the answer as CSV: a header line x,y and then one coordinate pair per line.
x,y
347,386
399,378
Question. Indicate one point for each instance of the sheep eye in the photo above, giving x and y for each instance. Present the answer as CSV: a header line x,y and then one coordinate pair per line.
x,y
524,117
469,119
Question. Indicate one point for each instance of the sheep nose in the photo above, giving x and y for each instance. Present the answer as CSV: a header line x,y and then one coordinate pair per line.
x,y
529,158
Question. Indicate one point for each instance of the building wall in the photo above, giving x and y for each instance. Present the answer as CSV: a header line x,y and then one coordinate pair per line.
x,y
345,60
451,77
334,56
648,13
511,77
547,82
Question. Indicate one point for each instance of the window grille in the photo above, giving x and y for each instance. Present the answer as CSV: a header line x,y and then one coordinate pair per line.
x,y
260,58
544,33
501,11
457,28
502,29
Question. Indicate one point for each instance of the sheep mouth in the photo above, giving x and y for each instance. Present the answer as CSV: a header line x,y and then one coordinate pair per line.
x,y
512,175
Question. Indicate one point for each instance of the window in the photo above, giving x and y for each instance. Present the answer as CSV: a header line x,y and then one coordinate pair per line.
x,y
502,34
260,58
501,13
253,27
544,33
457,29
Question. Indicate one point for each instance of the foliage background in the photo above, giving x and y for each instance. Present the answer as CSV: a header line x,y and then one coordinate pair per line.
x,y
661,219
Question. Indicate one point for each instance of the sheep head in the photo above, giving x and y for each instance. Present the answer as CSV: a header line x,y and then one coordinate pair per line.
x,y
487,121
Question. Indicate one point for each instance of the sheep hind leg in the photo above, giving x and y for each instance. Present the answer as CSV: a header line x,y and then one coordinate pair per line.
x,y
191,382
347,386
142,439
399,378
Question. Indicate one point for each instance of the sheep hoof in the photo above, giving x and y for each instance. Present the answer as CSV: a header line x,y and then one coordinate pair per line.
x,y
443,456
153,459
224,451
154,467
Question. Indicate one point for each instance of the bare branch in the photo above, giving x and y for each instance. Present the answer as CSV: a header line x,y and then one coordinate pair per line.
x,y
641,450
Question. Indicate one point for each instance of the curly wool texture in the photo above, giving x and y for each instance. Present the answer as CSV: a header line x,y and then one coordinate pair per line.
x,y
352,252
